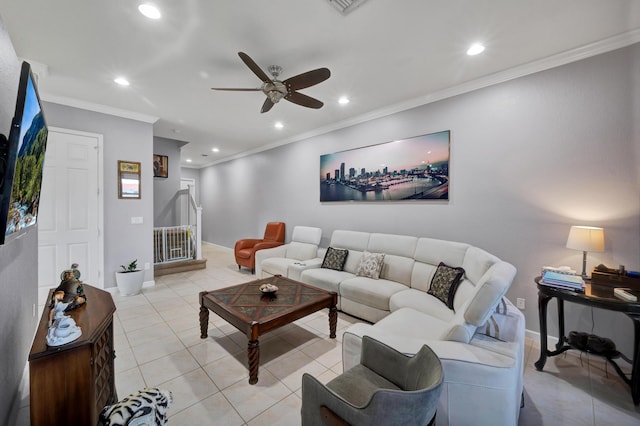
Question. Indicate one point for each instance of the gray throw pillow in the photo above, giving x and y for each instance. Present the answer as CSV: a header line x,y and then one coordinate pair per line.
x,y
445,282
370,265
335,258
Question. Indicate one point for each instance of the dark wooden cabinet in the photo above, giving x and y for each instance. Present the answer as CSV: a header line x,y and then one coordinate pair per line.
x,y
70,384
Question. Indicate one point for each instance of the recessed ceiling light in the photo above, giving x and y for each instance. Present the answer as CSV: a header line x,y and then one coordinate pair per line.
x,y
278,125
343,100
150,11
188,160
475,49
216,150
121,81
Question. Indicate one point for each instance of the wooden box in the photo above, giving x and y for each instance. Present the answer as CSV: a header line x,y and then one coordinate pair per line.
x,y
615,280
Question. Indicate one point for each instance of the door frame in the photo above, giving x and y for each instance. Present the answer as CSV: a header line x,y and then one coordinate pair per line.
x,y
100,189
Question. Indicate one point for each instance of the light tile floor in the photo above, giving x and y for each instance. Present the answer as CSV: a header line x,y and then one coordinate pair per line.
x,y
157,342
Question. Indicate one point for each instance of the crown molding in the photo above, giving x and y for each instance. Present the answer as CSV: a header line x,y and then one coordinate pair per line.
x,y
90,106
553,61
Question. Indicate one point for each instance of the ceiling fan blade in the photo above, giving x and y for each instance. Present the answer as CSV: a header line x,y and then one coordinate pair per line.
x,y
267,105
254,67
304,100
236,89
307,79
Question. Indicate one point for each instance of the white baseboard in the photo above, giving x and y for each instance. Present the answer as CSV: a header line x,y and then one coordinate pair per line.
x,y
535,335
217,245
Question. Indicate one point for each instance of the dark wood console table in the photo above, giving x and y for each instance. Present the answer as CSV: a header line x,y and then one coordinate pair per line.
x,y
71,384
598,296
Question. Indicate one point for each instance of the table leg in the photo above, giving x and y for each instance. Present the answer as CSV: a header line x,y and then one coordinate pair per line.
x,y
333,321
561,336
204,322
254,361
635,371
543,301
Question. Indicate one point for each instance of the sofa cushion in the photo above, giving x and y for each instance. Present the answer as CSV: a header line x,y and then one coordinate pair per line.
x,y
411,323
421,275
370,265
277,265
397,268
489,294
353,260
335,258
477,262
445,283
420,301
370,292
430,250
301,251
307,234
399,245
352,240
327,279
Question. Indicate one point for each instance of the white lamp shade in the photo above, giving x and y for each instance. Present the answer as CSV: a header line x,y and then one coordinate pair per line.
x,y
586,238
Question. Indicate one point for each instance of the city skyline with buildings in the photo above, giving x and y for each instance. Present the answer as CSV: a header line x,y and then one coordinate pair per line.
x,y
404,154
413,168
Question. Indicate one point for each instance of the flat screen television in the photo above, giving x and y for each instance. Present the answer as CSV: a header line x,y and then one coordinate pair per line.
x,y
22,158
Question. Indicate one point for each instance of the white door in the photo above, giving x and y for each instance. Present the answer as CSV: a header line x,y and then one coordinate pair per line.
x,y
70,216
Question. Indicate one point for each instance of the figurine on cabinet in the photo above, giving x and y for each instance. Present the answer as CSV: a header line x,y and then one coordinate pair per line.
x,y
62,328
67,296
72,288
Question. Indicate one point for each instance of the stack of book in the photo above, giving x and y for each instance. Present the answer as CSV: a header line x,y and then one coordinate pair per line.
x,y
562,280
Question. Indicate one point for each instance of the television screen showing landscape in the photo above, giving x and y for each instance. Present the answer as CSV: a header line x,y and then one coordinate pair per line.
x,y
27,178
416,168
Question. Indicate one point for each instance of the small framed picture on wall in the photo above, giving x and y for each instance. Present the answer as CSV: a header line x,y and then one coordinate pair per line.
x,y
129,180
160,166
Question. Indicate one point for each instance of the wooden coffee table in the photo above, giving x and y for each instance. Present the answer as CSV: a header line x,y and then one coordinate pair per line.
x,y
249,310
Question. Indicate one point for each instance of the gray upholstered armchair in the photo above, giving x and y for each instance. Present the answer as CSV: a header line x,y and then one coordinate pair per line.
x,y
386,388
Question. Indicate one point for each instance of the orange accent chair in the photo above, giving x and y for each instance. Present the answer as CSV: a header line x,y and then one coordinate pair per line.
x,y
245,249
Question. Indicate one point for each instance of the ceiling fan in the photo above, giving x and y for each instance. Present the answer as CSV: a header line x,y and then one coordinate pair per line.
x,y
276,89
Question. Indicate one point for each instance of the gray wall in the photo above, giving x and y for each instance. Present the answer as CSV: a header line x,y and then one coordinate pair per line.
x,y
529,158
18,261
123,139
165,189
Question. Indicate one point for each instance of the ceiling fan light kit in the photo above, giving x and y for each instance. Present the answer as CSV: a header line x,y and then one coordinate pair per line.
x,y
275,89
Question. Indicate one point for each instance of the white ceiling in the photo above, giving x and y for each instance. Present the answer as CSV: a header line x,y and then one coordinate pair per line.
x,y
385,56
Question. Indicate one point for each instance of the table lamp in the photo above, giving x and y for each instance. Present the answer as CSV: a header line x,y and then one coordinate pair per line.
x,y
586,238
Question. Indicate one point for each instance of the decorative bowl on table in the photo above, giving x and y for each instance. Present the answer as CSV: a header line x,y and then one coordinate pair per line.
x,y
268,288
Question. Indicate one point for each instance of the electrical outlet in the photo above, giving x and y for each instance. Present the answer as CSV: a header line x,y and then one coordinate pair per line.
x,y
147,266
34,310
520,303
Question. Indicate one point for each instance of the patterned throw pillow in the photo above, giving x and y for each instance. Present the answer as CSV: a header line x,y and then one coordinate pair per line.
x,y
335,259
445,283
370,265
147,406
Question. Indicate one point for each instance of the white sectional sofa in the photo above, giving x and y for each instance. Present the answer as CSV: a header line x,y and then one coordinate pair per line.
x,y
479,339
290,259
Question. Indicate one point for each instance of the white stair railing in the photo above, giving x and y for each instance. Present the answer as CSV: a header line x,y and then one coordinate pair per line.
x,y
184,241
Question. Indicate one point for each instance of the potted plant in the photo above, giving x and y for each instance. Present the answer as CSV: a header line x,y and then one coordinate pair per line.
x,y
130,279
